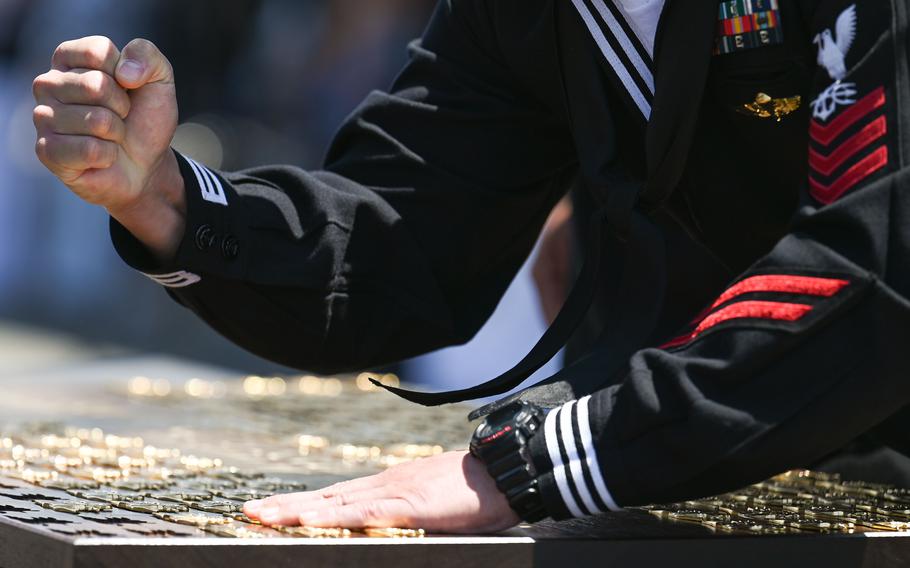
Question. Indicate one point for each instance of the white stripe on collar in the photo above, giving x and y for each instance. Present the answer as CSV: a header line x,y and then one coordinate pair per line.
x,y
642,67
625,52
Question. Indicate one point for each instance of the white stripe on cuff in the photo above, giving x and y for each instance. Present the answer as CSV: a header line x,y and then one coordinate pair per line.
x,y
575,464
559,470
584,426
576,467
180,279
209,184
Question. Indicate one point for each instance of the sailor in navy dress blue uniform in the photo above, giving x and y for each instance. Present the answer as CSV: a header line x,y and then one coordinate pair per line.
x,y
750,208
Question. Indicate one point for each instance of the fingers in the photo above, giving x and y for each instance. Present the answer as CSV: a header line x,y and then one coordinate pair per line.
x,y
69,156
362,514
255,508
142,63
82,87
96,52
359,484
80,120
289,511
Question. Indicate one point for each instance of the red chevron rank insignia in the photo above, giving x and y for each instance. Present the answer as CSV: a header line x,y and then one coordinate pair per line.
x,y
847,149
764,297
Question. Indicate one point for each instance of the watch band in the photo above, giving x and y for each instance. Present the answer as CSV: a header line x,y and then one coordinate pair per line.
x,y
501,443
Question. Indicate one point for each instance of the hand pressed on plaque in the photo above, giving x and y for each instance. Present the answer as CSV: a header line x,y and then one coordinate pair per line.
x,y
451,492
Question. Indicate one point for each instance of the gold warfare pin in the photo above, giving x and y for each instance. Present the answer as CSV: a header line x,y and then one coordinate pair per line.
x,y
764,106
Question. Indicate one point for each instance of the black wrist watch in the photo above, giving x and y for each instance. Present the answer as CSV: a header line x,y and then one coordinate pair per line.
x,y
501,443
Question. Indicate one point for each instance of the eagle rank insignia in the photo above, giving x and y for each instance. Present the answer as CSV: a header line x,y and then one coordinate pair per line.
x,y
832,55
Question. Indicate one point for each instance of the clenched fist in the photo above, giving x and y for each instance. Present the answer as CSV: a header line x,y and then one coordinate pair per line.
x,y
105,120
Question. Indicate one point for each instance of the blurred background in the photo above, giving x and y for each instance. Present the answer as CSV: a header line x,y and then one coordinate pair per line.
x,y
259,81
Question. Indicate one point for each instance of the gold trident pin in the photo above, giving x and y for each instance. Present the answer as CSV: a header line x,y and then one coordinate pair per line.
x,y
766,107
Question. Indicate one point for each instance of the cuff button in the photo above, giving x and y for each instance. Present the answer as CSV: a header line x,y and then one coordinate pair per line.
x,y
205,237
230,247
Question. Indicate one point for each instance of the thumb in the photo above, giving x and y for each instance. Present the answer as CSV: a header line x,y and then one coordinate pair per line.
x,y
142,63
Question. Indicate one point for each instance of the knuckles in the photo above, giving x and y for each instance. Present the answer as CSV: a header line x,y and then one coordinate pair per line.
x,y
50,149
338,499
370,512
96,153
93,86
75,153
96,121
100,122
41,150
42,116
89,151
96,86
45,83
94,52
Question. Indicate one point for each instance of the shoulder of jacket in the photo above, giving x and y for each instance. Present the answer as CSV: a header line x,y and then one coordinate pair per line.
x,y
507,21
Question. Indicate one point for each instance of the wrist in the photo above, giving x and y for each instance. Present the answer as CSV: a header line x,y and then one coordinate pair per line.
x,y
157,217
501,443
492,499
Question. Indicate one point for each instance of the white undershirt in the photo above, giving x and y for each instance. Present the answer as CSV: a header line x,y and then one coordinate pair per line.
x,y
643,16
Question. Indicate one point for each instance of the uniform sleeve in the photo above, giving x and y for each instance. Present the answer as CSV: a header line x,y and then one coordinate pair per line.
x,y
801,354
431,198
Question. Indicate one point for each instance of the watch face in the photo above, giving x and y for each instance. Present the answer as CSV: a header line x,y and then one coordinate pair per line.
x,y
492,433
502,422
514,412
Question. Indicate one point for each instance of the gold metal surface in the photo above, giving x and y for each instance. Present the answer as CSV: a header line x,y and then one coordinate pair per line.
x,y
116,476
145,485
797,501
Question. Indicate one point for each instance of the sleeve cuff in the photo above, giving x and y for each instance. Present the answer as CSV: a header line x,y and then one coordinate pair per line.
x,y
569,474
211,243
137,257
